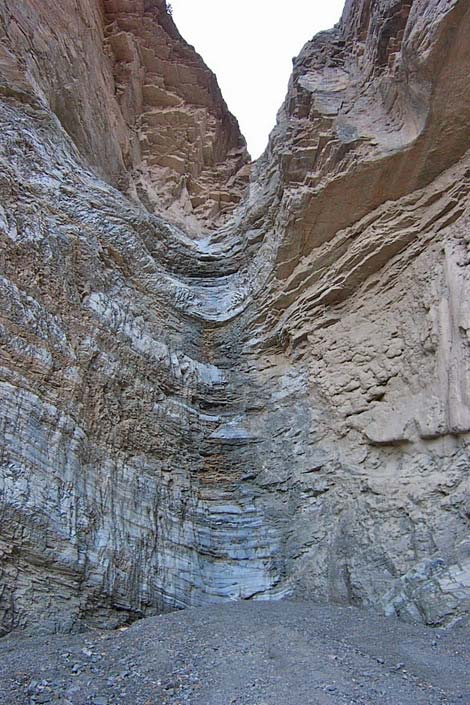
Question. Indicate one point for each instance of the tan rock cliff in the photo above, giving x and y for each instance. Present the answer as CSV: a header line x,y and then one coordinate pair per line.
x,y
223,381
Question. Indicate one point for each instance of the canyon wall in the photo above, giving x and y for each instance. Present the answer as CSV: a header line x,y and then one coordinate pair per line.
x,y
223,380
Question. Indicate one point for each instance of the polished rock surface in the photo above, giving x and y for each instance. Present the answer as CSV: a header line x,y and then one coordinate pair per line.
x,y
212,397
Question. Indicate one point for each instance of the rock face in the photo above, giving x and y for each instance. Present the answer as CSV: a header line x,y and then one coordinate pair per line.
x,y
184,149
226,381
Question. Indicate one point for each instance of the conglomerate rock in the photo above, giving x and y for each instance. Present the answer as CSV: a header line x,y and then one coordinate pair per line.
x,y
215,389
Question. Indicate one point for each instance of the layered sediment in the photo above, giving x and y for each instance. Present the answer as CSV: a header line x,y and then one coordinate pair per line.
x,y
224,380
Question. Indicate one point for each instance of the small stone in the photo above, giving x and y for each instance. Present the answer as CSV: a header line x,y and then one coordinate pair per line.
x,y
42,698
397,667
100,701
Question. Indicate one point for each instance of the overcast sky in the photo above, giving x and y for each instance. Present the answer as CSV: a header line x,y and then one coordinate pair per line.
x,y
249,44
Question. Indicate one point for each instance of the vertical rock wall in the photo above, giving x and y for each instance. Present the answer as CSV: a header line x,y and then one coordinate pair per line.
x,y
214,389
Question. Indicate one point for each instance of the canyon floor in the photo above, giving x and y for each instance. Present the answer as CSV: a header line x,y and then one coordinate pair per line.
x,y
246,653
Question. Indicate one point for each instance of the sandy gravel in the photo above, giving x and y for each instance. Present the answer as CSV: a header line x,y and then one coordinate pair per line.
x,y
242,654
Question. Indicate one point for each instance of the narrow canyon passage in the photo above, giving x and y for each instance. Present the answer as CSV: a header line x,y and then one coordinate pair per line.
x,y
223,380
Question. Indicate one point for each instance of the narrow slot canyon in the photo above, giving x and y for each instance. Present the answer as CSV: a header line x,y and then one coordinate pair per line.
x,y
234,381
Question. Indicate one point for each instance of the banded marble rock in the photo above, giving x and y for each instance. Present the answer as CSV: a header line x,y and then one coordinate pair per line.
x,y
226,380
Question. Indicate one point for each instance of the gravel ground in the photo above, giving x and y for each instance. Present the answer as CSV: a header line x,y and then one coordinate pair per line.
x,y
246,653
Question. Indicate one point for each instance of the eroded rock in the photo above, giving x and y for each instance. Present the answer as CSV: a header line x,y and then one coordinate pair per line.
x,y
216,391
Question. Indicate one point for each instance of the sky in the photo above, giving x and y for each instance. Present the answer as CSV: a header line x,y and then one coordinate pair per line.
x,y
249,44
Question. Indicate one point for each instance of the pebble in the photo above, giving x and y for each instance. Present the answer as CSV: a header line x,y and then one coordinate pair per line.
x,y
397,667
32,687
42,698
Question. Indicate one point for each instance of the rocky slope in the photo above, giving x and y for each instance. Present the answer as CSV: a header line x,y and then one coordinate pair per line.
x,y
216,390
285,653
